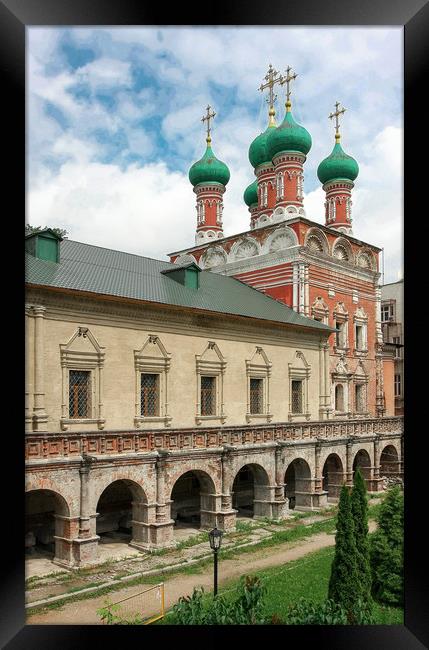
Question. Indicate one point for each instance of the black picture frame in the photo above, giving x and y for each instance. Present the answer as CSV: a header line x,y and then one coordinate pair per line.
x,y
413,15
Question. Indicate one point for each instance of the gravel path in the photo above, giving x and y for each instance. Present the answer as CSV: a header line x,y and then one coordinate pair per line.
x,y
84,612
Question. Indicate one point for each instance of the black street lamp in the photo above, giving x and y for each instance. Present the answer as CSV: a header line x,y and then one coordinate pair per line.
x,y
215,538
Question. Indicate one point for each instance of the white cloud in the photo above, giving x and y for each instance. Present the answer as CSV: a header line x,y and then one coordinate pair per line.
x,y
361,67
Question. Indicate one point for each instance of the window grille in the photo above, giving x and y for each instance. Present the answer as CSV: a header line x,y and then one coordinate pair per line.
x,y
149,395
296,396
256,395
208,397
79,393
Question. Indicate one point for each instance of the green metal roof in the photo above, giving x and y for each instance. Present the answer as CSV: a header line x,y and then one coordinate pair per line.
x,y
338,165
84,267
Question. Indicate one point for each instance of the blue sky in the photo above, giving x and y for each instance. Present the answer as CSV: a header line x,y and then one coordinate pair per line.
x,y
114,123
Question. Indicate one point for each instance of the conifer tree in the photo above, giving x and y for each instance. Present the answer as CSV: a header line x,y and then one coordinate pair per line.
x,y
359,506
344,587
386,551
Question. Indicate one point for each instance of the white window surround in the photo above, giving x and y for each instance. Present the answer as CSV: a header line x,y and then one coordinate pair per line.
x,y
83,352
299,370
211,363
259,367
152,358
341,376
320,310
341,316
360,319
360,378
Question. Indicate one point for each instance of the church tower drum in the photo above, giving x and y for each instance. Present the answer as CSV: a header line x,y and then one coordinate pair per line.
x,y
337,173
209,177
288,146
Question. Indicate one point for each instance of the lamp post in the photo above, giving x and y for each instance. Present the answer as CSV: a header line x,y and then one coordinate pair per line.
x,y
215,539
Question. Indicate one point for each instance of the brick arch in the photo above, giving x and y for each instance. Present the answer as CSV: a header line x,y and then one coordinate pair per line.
x,y
389,461
206,481
101,483
192,498
47,522
59,499
297,482
250,487
362,459
262,461
333,475
339,451
71,501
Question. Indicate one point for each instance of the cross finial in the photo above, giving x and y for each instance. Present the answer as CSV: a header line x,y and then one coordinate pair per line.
x,y
207,118
286,80
272,77
337,114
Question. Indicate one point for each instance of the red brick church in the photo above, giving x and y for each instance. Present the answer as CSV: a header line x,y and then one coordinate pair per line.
x,y
320,270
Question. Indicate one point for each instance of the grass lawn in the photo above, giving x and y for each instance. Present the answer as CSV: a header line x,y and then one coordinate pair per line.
x,y
307,577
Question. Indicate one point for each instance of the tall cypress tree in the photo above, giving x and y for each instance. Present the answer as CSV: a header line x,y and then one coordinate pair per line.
x,y
359,506
387,547
344,586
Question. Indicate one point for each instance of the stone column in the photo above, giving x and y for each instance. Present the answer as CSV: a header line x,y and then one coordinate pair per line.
x,y
40,416
301,288
226,518
84,520
306,291
327,380
295,285
280,507
29,367
82,541
376,482
322,408
349,464
160,531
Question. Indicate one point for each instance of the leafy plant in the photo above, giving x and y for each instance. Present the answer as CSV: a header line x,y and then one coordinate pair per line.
x,y
109,617
246,609
328,612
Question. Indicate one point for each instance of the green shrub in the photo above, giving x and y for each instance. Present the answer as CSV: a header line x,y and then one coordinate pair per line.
x,y
359,507
344,586
386,550
327,612
246,609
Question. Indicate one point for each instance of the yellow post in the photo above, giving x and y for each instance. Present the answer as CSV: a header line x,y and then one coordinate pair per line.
x,y
162,599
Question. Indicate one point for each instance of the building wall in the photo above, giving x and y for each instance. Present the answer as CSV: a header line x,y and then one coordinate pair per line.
x,y
120,330
389,393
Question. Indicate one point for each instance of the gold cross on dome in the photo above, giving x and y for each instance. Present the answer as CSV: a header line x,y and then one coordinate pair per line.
x,y
337,115
272,77
286,80
207,119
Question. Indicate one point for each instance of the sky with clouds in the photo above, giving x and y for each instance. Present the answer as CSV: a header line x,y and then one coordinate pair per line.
x,y
114,123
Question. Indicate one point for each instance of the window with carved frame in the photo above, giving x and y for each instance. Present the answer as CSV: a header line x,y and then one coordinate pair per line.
x,y
299,379
82,363
152,366
258,371
210,370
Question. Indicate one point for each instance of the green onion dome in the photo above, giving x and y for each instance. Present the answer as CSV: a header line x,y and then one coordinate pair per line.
x,y
258,153
289,136
251,194
209,169
337,165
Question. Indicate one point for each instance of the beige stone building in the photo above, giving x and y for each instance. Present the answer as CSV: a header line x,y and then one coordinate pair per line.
x,y
158,393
